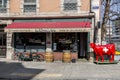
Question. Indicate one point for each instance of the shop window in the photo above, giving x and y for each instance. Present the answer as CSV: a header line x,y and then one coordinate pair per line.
x,y
30,42
30,38
64,41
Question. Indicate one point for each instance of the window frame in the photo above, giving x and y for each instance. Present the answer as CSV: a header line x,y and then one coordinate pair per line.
x,y
29,10
29,1
29,4
3,6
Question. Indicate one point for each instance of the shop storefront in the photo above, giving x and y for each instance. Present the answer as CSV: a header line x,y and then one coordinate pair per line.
x,y
59,36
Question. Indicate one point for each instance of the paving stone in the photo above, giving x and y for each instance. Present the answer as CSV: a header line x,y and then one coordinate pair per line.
x,y
17,70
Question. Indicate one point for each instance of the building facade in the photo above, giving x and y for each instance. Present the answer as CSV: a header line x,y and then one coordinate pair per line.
x,y
96,9
35,25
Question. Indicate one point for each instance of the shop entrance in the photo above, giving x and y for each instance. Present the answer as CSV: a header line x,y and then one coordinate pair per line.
x,y
2,41
3,45
82,45
75,42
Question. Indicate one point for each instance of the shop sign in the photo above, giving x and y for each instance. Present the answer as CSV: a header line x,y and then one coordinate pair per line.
x,y
19,30
63,30
95,7
50,30
5,21
45,30
74,30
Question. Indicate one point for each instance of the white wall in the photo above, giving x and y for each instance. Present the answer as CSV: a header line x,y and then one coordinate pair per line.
x,y
95,7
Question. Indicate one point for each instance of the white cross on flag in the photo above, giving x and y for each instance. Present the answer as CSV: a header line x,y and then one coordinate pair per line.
x,y
105,49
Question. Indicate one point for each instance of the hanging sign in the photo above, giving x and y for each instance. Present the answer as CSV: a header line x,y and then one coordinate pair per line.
x,y
95,7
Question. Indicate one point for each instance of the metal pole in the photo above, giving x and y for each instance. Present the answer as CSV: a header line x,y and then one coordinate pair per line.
x,y
109,33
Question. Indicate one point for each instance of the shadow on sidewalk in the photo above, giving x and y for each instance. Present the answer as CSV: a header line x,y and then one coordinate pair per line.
x,y
16,71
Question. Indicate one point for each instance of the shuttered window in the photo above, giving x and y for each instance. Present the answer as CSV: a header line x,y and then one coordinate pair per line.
x,y
70,5
29,5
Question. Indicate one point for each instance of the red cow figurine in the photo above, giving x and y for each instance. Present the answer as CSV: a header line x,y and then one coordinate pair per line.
x,y
101,50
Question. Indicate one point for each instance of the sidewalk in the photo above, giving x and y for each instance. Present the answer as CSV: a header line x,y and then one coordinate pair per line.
x,y
20,70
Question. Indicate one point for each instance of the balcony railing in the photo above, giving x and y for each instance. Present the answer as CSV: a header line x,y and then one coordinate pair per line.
x,y
26,10
70,7
29,1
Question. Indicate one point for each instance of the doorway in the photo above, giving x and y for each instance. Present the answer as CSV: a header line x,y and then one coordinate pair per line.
x,y
82,45
2,41
2,45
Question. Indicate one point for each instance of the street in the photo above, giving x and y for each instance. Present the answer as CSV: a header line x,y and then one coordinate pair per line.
x,y
21,70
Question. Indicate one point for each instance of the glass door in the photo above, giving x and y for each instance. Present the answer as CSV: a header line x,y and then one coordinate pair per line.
x,y
2,44
82,45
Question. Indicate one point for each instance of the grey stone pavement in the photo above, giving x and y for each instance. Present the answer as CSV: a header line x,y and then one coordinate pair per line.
x,y
22,70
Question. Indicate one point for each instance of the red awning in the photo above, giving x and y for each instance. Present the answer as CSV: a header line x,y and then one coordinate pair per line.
x,y
49,25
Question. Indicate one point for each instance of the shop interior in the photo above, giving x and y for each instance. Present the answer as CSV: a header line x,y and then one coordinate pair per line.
x,y
64,41
36,42
75,42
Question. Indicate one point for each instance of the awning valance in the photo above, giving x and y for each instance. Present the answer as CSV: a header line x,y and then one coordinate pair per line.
x,y
48,26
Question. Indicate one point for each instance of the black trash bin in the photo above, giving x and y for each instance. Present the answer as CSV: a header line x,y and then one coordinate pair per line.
x,y
73,60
